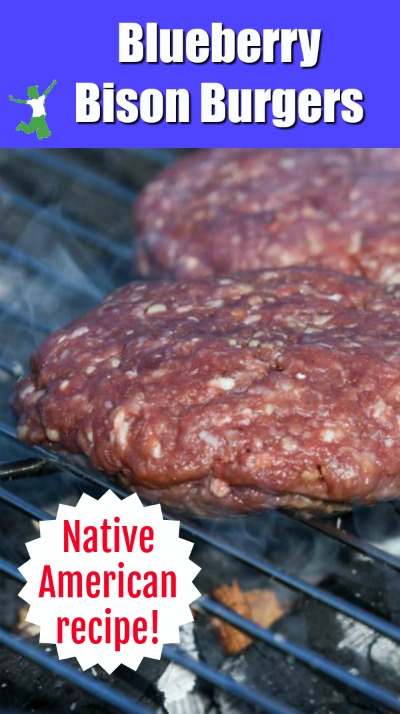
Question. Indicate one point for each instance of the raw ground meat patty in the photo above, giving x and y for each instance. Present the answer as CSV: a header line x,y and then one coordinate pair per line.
x,y
224,210
277,388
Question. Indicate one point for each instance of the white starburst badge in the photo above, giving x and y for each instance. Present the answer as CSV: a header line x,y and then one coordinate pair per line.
x,y
109,581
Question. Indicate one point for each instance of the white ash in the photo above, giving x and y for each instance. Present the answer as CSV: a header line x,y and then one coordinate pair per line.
x,y
177,684
365,643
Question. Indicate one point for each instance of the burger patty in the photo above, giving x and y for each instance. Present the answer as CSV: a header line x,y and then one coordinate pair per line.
x,y
227,210
229,395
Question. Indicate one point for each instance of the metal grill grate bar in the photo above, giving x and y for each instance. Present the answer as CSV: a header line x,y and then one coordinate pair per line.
x,y
65,225
13,369
163,157
28,509
10,570
314,660
303,654
227,683
177,655
336,603
76,173
346,538
14,470
99,690
369,619
25,320
44,270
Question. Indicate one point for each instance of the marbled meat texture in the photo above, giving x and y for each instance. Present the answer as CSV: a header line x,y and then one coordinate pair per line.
x,y
229,395
229,210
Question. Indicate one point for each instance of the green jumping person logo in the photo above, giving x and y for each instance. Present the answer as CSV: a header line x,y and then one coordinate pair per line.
x,y
38,122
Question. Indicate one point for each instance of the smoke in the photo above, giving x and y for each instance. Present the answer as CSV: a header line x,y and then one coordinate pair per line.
x,y
270,537
48,279
379,525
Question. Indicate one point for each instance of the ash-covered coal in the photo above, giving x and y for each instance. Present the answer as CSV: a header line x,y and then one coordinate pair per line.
x,y
293,549
26,687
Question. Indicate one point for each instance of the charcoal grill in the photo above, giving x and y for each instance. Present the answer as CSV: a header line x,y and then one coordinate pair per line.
x,y
69,195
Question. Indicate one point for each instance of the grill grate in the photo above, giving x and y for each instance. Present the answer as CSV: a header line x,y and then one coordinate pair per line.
x,y
40,463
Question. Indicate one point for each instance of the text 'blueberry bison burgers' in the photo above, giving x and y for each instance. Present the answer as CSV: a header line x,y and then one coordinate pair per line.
x,y
224,210
231,395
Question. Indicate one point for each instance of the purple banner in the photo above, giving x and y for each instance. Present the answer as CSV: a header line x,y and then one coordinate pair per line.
x,y
277,74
